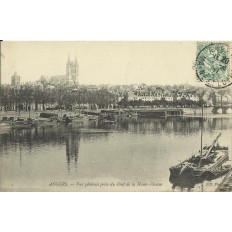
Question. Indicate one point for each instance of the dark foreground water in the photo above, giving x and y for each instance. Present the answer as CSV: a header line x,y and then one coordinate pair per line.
x,y
133,155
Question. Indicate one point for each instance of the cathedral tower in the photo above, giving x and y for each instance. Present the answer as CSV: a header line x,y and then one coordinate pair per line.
x,y
72,71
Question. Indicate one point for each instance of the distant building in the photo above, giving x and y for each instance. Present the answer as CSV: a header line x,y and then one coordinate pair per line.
x,y
92,87
15,80
169,98
71,76
146,96
191,97
158,95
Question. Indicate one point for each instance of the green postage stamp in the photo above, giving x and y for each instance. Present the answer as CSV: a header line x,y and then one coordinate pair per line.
x,y
213,64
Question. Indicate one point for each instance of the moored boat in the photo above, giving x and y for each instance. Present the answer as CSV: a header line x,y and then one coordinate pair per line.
x,y
23,123
208,163
79,118
92,117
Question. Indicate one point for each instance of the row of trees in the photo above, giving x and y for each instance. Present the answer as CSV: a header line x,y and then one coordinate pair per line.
x,y
63,97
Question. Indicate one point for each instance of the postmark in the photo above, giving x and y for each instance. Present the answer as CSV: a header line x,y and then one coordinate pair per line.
x,y
213,64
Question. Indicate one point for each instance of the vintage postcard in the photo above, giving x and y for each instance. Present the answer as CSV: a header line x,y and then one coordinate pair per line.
x,y
116,116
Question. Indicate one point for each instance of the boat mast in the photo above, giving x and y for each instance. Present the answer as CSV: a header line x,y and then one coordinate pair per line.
x,y
201,126
199,165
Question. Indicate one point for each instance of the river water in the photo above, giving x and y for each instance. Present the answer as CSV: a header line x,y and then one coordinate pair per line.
x,y
132,155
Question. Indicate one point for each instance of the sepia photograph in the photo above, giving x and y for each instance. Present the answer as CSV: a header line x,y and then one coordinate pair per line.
x,y
115,116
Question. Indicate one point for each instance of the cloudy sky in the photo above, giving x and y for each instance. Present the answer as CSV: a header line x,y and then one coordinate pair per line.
x,y
102,62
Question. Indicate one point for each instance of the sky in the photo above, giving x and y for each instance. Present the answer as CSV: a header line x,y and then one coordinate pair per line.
x,y
151,63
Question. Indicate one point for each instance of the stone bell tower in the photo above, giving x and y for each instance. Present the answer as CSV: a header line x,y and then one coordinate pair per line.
x,y
72,69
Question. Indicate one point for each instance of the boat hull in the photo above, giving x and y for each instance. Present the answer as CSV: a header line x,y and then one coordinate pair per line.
x,y
186,169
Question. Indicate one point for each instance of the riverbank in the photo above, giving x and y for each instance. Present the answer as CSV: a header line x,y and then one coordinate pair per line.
x,y
35,114
187,112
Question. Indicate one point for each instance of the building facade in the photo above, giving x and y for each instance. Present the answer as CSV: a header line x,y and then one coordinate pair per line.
x,y
148,96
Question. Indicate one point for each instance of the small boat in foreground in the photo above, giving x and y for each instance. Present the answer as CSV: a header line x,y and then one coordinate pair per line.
x,y
208,163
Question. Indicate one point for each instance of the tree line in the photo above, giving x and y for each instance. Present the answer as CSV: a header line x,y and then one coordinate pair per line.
x,y
61,96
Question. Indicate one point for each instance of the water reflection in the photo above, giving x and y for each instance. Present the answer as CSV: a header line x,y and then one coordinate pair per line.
x,y
128,150
55,136
71,134
180,125
72,149
188,183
